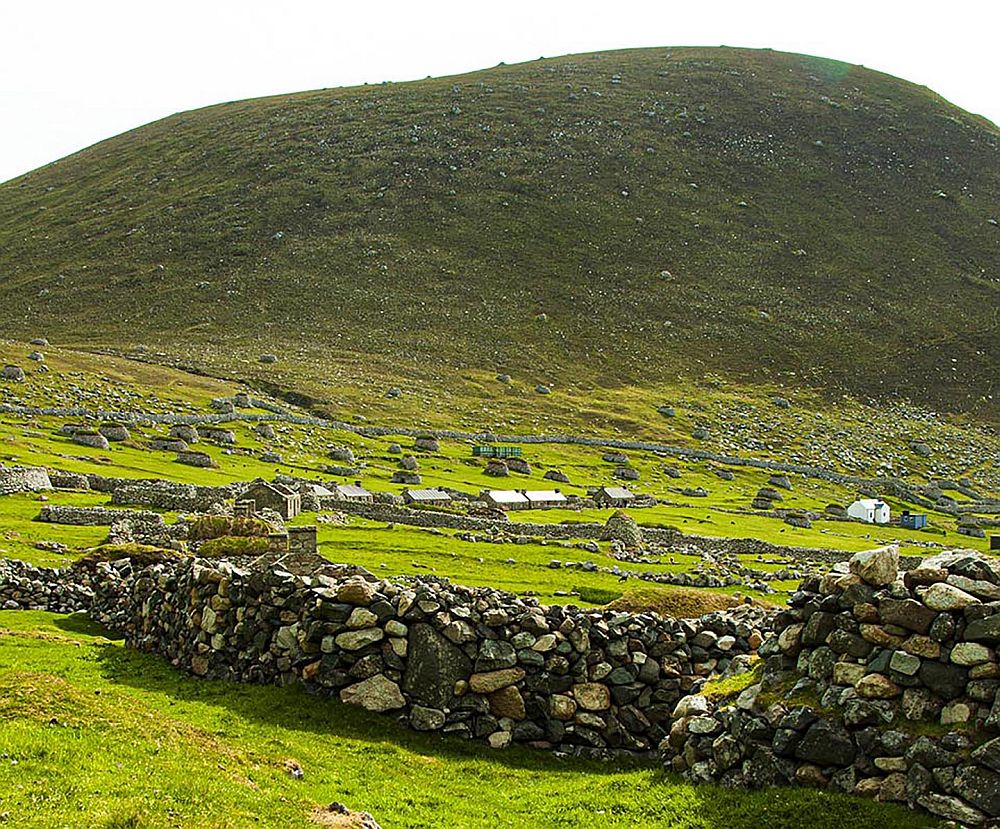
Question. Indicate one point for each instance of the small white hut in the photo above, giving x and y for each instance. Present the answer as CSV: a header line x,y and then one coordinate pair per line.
x,y
869,510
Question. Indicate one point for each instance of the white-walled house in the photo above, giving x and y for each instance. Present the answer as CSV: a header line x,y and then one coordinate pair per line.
x,y
870,510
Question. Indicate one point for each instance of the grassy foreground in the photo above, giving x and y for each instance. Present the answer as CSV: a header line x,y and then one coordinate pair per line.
x,y
94,735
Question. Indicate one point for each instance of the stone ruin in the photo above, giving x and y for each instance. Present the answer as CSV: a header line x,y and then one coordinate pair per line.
x,y
15,479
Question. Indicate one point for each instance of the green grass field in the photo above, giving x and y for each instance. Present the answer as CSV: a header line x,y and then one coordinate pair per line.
x,y
93,735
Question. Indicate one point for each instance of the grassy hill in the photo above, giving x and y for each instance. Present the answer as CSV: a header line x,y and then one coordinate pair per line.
x,y
619,218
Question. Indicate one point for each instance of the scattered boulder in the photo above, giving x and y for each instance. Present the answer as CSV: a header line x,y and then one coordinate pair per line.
x,y
426,443
114,432
344,454
519,465
183,431
496,468
93,439
13,373
199,459
626,473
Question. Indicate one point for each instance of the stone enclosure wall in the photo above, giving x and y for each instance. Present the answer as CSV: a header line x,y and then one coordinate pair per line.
x,y
866,662
473,662
23,587
14,479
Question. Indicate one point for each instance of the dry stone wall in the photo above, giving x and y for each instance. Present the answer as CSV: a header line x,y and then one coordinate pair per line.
x,y
473,662
881,656
170,496
14,479
95,516
23,587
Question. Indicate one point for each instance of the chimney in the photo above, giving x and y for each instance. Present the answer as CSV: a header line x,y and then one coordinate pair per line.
x,y
357,483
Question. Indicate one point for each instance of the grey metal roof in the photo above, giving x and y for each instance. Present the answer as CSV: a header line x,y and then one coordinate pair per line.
x,y
616,492
352,491
428,494
544,495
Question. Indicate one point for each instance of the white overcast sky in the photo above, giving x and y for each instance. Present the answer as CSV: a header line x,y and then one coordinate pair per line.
x,y
73,72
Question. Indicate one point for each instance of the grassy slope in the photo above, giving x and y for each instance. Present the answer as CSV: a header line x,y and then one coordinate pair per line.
x,y
411,233
102,382
94,735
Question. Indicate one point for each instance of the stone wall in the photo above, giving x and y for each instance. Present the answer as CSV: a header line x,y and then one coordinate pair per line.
x,y
857,670
14,479
23,587
68,480
473,662
170,496
95,516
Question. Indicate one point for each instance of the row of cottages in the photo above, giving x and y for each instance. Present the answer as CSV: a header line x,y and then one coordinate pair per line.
x,y
523,499
287,502
870,510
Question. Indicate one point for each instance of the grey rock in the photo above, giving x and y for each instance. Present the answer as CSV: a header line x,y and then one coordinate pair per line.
x,y
433,666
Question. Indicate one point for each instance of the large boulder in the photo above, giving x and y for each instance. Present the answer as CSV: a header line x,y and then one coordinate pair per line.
x,y
95,440
877,567
433,666
344,454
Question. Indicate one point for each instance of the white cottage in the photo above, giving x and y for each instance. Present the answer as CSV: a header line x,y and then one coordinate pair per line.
x,y
545,498
504,499
869,510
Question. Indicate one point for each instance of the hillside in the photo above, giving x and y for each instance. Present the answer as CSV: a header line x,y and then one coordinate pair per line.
x,y
618,218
